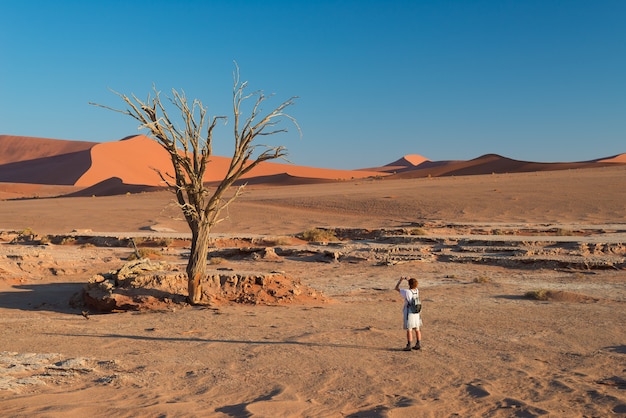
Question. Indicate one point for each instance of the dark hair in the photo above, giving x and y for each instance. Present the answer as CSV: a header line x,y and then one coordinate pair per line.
x,y
413,283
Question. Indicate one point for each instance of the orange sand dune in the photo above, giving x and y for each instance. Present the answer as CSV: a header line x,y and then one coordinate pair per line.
x,y
134,161
23,148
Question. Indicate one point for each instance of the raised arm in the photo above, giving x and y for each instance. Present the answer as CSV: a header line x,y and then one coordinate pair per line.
x,y
398,284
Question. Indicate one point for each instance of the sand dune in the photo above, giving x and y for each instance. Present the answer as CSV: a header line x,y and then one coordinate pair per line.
x,y
21,148
132,164
620,158
42,161
128,163
62,169
493,163
408,162
132,160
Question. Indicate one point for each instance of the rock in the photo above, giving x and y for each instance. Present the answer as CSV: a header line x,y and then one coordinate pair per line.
x,y
270,254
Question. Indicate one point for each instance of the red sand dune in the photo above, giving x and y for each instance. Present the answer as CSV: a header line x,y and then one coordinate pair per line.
x,y
100,168
129,165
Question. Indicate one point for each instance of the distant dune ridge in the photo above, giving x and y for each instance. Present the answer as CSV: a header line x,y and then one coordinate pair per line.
x,y
131,165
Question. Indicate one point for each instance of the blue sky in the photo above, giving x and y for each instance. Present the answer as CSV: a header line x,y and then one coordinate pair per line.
x,y
541,80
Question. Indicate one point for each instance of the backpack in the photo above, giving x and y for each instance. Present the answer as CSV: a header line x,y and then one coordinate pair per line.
x,y
415,305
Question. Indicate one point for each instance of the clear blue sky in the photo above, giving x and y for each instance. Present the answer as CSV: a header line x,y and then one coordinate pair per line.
x,y
538,80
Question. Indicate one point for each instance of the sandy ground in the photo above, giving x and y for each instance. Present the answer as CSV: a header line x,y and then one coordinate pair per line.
x,y
488,350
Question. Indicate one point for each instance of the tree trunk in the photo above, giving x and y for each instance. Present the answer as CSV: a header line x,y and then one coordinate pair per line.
x,y
196,268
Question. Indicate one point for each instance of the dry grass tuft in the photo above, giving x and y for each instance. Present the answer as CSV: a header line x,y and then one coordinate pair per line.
x,y
153,242
560,296
145,253
319,235
26,231
539,294
68,241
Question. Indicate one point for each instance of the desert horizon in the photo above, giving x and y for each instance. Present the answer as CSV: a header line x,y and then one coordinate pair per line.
x,y
44,167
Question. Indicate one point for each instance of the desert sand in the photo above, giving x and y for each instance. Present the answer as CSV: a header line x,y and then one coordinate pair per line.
x,y
477,243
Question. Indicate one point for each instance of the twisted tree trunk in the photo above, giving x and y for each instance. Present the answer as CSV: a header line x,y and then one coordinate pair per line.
x,y
196,266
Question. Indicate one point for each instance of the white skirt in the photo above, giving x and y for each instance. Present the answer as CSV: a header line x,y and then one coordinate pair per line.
x,y
412,320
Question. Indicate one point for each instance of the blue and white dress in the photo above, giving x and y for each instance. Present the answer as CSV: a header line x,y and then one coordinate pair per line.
x,y
411,320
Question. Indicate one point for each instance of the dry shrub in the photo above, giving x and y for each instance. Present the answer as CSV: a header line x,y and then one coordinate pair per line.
x,y
68,241
27,231
482,279
560,296
26,235
163,242
153,242
144,253
319,235
216,260
539,294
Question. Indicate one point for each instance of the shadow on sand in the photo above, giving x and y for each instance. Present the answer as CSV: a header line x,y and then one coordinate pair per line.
x,y
54,297
225,341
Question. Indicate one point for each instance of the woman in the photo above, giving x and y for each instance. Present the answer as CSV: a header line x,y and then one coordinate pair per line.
x,y
412,321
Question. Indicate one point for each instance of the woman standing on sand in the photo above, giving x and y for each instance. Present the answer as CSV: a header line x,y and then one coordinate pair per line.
x,y
412,321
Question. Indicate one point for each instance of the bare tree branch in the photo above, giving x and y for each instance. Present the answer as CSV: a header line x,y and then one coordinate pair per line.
x,y
190,153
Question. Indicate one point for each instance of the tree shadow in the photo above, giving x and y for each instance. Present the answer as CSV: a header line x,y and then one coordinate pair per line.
x,y
54,297
511,297
225,341
619,349
59,297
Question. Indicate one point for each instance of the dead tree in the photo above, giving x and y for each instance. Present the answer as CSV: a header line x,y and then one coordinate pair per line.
x,y
191,153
